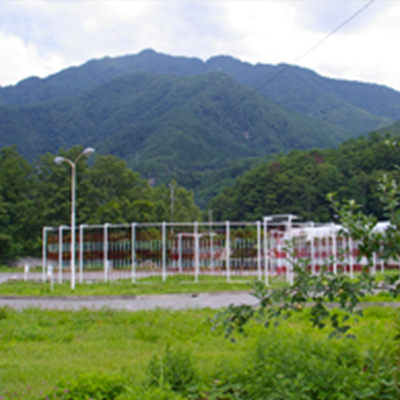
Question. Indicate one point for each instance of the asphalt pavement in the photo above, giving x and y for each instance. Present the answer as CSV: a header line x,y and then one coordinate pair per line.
x,y
136,303
131,303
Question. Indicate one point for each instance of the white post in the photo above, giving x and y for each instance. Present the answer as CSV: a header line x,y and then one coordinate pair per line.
x,y
133,250
44,254
259,272
334,251
351,266
26,272
180,253
212,251
50,274
374,263
60,253
313,268
228,252
196,251
289,265
105,252
164,251
81,253
266,258
73,179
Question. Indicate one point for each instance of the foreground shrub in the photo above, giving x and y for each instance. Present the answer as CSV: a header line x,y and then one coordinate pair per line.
x,y
285,366
173,370
299,368
98,386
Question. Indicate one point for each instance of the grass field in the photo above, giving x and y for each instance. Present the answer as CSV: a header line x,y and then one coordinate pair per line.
x,y
147,355
39,347
148,286
153,285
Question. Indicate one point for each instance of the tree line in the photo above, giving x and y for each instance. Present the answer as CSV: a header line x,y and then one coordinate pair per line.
x,y
34,195
299,182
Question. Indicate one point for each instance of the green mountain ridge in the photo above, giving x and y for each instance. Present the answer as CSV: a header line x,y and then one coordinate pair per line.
x,y
189,120
182,118
365,107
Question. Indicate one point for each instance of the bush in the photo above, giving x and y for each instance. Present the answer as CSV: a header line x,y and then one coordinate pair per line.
x,y
94,386
173,370
292,365
297,367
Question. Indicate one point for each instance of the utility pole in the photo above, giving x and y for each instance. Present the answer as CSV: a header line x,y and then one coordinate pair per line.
x,y
171,186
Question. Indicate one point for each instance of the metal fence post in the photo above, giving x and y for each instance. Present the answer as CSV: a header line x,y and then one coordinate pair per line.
x,y
259,272
44,253
105,252
196,251
164,251
60,253
81,253
228,251
133,250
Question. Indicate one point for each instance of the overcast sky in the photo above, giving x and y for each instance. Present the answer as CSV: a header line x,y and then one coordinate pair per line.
x,y
41,37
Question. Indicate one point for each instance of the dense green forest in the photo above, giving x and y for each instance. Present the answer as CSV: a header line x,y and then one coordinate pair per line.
x,y
36,195
201,123
165,127
299,182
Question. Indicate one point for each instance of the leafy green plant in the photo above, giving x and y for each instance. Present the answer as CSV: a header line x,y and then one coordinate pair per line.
x,y
173,370
317,291
97,386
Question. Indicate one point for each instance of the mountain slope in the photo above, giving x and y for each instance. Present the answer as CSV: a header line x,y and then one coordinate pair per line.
x,y
182,118
180,122
354,107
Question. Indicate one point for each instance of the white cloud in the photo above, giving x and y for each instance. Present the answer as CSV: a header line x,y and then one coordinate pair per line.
x,y
368,54
21,60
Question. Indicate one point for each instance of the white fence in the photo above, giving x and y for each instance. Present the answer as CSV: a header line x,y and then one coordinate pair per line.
x,y
228,249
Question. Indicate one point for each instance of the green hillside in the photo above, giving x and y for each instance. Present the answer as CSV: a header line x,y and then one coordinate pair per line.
x,y
164,126
299,182
354,107
201,123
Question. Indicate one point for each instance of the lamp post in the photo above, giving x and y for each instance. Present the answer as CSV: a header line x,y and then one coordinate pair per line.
x,y
59,160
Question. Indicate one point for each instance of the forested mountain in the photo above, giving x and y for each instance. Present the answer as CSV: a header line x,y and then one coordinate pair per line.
x,y
299,181
165,126
185,119
353,106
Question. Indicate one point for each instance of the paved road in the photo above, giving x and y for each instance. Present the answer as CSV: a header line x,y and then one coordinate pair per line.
x,y
134,303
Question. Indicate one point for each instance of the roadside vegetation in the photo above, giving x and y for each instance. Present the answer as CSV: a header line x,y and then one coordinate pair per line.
x,y
125,287
165,354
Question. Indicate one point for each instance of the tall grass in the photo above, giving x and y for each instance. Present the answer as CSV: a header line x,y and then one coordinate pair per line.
x,y
40,347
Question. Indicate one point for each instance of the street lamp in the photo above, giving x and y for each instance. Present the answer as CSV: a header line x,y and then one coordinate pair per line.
x,y
59,160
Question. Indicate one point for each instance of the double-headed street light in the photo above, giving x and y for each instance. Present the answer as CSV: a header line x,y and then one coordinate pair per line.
x,y
59,160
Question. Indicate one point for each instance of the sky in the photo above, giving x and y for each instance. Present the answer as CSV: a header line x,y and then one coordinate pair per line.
x,y
42,37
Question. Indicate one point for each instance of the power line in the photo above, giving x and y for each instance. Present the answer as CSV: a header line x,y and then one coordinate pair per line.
x,y
311,49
